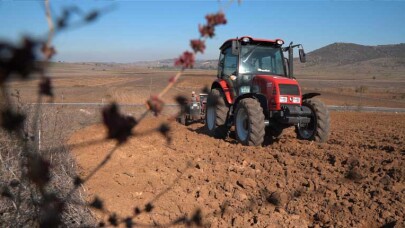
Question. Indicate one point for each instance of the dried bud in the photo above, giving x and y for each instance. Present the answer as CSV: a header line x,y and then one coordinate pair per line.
x,y
77,181
137,211
197,45
164,129
11,121
61,23
182,219
93,15
23,59
184,107
149,207
39,170
206,90
47,51
197,218
112,219
51,211
45,87
5,192
119,126
181,100
97,203
155,104
216,19
172,79
186,60
14,183
206,30
128,222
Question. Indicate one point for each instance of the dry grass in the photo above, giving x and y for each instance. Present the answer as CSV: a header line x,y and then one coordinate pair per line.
x,y
54,129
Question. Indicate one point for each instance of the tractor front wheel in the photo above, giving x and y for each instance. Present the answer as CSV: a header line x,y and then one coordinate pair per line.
x,y
216,114
318,128
249,122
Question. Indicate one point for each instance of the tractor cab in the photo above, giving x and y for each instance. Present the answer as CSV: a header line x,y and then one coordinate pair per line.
x,y
258,92
241,60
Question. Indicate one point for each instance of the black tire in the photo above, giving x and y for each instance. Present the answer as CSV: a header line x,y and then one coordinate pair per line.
x,y
216,114
318,129
249,122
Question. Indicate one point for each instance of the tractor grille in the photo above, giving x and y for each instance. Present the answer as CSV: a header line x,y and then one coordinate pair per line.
x,y
287,89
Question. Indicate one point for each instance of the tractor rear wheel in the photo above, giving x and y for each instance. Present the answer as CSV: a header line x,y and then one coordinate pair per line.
x,y
318,128
216,114
249,122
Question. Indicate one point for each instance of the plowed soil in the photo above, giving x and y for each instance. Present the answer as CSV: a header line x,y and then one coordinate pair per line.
x,y
355,179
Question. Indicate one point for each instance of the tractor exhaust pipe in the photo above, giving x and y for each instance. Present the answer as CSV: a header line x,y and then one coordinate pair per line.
x,y
290,61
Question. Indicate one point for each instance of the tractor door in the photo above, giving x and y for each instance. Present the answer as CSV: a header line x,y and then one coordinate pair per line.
x,y
228,65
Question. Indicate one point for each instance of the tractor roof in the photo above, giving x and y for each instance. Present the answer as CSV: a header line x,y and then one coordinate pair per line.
x,y
253,40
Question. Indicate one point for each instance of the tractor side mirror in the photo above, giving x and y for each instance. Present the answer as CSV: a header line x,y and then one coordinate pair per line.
x,y
235,47
302,55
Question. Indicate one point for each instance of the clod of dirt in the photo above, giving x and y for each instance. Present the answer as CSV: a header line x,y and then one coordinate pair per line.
x,y
246,183
388,149
354,174
228,187
240,196
397,174
354,163
386,180
278,199
389,224
332,159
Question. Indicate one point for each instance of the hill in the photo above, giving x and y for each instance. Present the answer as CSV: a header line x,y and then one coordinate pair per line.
x,y
336,54
349,53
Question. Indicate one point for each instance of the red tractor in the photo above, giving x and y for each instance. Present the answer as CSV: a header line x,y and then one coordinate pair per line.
x,y
257,93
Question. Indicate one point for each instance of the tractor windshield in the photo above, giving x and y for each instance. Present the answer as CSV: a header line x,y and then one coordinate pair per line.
x,y
256,59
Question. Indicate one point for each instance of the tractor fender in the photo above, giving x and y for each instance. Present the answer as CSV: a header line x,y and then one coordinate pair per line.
x,y
309,95
221,84
259,97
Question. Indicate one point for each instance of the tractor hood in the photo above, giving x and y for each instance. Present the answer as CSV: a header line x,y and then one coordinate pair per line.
x,y
266,82
279,90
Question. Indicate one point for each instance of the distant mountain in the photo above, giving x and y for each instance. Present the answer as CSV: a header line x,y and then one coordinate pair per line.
x,y
349,53
336,54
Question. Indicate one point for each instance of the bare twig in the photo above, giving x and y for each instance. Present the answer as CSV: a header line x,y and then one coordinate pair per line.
x,y
51,26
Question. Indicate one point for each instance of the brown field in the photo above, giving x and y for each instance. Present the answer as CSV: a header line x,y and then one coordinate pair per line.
x,y
356,179
91,82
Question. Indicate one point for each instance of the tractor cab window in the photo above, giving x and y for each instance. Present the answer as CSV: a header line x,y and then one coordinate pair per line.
x,y
230,64
220,65
256,59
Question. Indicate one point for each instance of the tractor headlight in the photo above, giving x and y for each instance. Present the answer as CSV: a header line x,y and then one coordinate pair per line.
x,y
246,78
280,42
296,100
283,100
244,89
245,39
